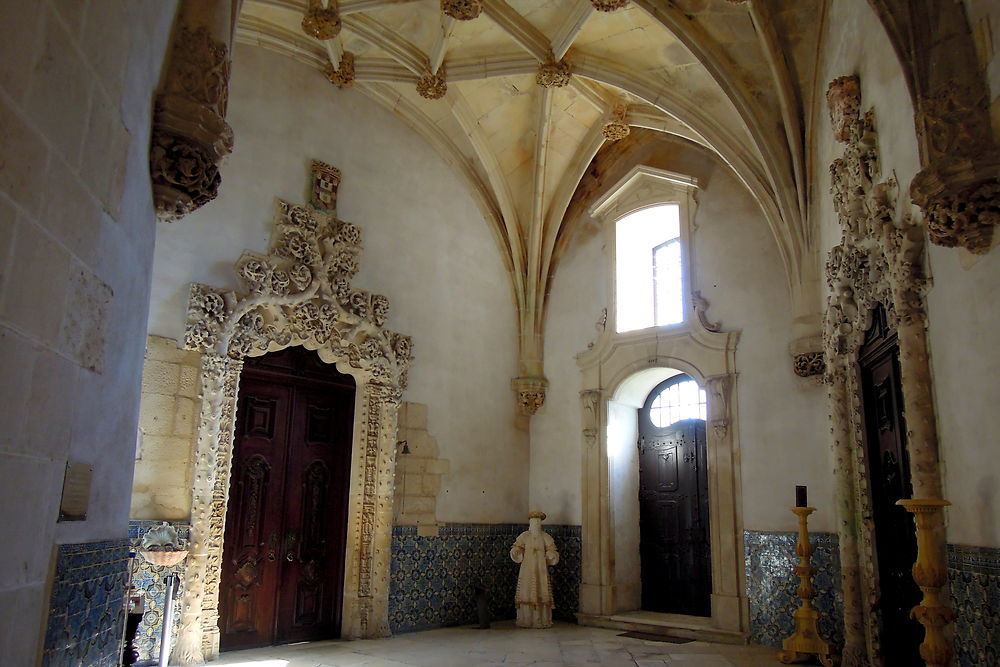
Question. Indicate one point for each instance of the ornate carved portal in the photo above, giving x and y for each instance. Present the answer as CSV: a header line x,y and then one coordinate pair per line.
x,y
299,293
880,260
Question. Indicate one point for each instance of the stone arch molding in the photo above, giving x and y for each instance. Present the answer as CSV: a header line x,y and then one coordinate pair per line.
x,y
710,358
298,293
879,260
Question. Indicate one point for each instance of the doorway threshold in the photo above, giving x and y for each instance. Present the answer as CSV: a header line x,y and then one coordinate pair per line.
x,y
699,628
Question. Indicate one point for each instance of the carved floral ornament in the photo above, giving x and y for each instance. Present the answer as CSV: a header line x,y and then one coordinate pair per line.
x,y
617,127
298,293
321,22
553,74
608,5
879,261
462,10
432,86
190,136
342,76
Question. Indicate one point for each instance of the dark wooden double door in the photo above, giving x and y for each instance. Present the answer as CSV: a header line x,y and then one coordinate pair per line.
x,y
674,547
889,479
286,522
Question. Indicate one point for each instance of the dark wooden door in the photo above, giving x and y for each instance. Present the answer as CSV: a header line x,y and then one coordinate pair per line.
x,y
889,475
674,543
286,524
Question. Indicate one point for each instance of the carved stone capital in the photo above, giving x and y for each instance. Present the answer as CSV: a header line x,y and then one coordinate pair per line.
x,y
530,393
343,76
958,214
809,364
462,10
321,22
608,5
432,86
553,74
190,136
843,98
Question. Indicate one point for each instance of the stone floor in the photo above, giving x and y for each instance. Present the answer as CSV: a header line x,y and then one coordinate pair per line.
x,y
565,644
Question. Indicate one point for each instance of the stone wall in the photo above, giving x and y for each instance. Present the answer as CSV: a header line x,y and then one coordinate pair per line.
x,y
76,247
418,472
168,419
434,576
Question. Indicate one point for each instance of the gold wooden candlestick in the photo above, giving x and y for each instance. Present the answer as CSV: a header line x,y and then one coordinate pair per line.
x,y
806,641
930,573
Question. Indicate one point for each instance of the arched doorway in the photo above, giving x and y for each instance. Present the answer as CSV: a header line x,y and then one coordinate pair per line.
x,y
282,576
674,545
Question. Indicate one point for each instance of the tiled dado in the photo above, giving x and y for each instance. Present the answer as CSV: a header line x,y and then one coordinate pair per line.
x,y
147,580
433,578
86,610
974,579
771,584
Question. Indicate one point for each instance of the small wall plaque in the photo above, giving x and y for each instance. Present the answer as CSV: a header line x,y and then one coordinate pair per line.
x,y
76,492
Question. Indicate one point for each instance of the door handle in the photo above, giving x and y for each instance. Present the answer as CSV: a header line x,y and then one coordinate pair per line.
x,y
291,544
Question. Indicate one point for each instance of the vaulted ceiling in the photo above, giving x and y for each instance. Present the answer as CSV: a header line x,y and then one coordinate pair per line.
x,y
733,77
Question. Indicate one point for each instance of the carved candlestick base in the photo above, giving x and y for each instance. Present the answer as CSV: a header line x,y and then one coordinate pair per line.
x,y
930,573
806,641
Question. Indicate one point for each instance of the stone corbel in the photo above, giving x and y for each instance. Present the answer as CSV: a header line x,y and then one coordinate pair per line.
x,y
808,359
720,391
590,400
190,136
530,393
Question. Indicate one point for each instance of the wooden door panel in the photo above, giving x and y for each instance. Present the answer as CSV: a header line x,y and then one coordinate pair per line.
x,y
249,578
673,517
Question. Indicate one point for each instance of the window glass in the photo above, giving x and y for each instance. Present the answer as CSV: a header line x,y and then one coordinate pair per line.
x,y
649,269
679,401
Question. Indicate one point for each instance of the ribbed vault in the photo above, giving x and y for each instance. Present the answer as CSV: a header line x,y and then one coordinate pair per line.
x,y
485,92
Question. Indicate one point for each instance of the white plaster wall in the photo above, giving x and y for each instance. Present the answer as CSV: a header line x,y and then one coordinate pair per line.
x,y
623,433
427,247
782,420
962,303
76,240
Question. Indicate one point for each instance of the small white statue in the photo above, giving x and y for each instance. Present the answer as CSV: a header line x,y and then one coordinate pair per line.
x,y
535,551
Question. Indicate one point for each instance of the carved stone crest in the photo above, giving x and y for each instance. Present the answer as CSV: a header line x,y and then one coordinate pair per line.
x,y
843,99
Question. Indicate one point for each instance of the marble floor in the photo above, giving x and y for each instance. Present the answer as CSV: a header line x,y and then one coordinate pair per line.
x,y
503,644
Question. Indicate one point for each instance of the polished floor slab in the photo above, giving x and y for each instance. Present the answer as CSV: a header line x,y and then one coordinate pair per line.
x,y
503,644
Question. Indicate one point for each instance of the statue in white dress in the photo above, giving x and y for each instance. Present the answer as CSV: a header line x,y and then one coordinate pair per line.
x,y
535,551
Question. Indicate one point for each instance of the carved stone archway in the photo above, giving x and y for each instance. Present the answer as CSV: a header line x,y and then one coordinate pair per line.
x,y
299,293
880,260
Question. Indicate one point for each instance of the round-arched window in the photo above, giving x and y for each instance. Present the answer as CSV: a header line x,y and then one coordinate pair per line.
x,y
677,399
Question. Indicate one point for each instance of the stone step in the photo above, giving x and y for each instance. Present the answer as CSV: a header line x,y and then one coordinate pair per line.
x,y
676,626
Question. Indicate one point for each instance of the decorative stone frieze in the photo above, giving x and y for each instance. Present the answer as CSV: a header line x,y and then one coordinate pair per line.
x,y
321,22
608,5
553,74
879,261
530,393
462,10
809,364
299,293
343,76
190,136
432,86
616,128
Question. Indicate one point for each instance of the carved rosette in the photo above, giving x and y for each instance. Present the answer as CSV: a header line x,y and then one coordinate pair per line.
x,y
432,86
616,128
809,364
553,74
608,5
880,260
298,293
462,10
190,136
530,394
321,22
959,188
343,76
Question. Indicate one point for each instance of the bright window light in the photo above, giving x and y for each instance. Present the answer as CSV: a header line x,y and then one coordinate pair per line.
x,y
683,400
649,268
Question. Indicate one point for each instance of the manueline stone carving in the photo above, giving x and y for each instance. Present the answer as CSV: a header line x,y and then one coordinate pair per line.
x,y
321,22
298,293
553,74
608,5
190,136
530,394
879,261
343,76
809,364
463,10
432,86
617,128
